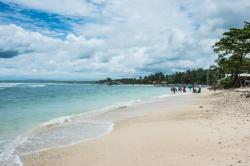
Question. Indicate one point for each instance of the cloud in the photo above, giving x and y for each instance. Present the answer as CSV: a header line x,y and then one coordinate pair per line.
x,y
8,53
51,24
128,38
45,55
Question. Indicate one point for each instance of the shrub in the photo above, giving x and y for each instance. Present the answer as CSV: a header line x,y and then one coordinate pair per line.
x,y
227,83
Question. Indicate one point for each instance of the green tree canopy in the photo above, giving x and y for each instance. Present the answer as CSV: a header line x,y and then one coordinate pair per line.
x,y
232,50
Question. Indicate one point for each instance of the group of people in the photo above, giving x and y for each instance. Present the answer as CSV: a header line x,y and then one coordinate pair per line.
x,y
175,89
194,89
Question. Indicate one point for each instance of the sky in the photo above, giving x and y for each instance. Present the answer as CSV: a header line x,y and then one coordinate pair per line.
x,y
95,39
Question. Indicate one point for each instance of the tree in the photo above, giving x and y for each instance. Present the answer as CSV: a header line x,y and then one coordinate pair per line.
x,y
232,50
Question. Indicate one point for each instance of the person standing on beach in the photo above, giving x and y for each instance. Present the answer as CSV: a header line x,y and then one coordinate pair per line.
x,y
194,90
199,89
184,88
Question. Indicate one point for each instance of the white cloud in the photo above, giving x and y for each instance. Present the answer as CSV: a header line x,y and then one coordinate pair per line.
x,y
130,38
39,54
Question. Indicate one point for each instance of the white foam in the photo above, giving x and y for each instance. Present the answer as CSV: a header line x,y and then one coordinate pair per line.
x,y
176,94
36,85
8,154
57,121
164,96
108,108
41,138
8,85
11,85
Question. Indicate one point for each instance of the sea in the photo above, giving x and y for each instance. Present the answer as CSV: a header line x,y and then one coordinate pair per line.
x,y
36,116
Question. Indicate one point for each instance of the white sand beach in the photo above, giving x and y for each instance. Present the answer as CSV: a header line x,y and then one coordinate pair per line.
x,y
206,129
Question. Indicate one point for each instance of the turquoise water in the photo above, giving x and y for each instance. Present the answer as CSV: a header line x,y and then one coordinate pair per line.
x,y
34,116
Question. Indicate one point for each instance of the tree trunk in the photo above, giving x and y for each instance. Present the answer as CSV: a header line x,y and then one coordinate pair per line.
x,y
237,81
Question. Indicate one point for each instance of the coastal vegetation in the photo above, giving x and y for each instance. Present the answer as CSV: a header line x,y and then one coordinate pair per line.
x,y
233,55
233,59
198,76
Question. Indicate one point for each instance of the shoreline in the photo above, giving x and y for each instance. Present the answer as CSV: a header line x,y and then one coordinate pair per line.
x,y
95,117
98,116
166,130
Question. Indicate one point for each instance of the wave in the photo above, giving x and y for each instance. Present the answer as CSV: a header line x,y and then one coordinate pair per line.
x,y
58,132
176,94
44,138
164,96
36,86
74,117
8,153
112,107
21,85
8,85
57,121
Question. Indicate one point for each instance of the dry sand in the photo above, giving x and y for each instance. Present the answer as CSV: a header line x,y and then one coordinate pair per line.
x,y
214,129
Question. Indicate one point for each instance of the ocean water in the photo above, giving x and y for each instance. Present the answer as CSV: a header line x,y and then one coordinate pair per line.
x,y
36,116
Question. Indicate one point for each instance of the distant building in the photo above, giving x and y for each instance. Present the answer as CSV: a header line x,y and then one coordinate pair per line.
x,y
246,77
241,75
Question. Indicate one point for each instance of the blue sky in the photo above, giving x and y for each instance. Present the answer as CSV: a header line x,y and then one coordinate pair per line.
x,y
93,39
